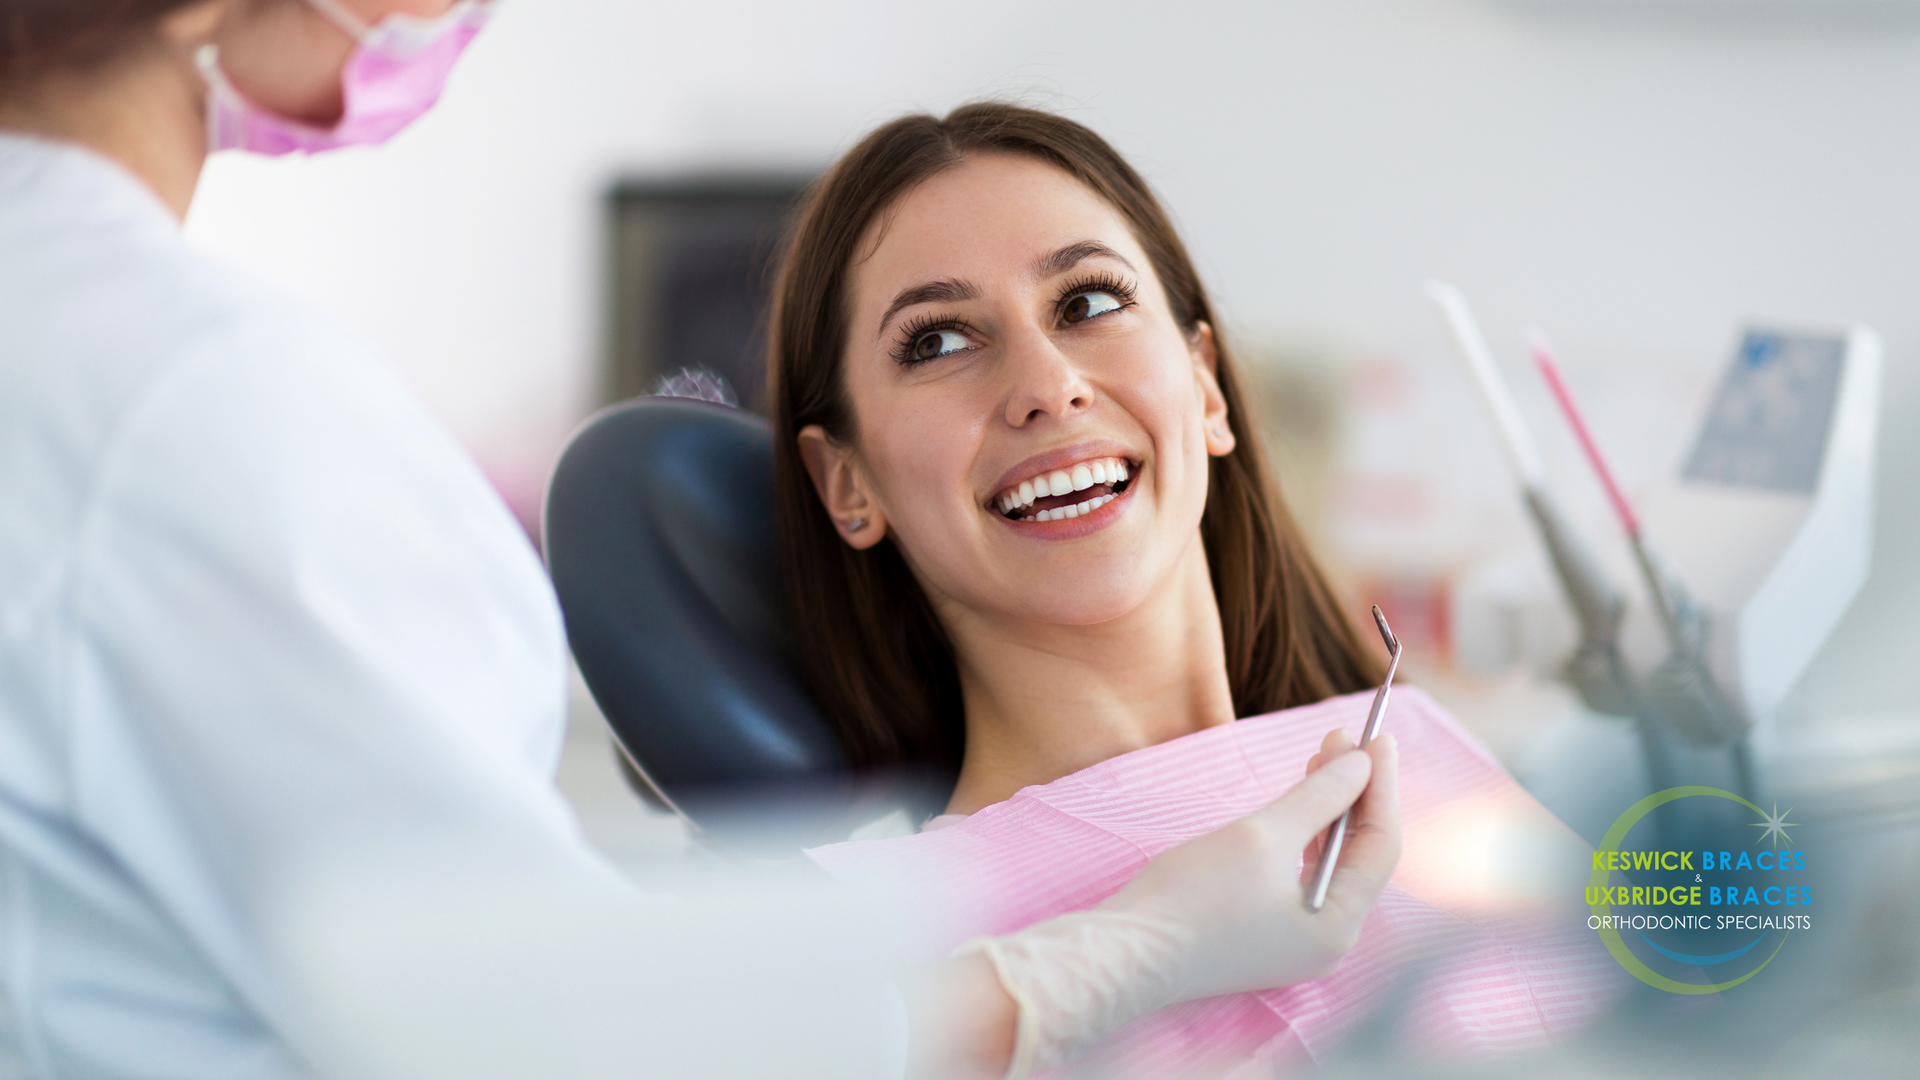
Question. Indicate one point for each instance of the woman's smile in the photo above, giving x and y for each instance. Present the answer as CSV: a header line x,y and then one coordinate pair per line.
x,y
1065,499
1073,520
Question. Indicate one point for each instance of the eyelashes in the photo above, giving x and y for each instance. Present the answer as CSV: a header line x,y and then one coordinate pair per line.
x,y
1120,288
910,348
931,336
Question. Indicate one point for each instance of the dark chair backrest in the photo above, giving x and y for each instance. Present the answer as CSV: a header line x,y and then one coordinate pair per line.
x,y
660,537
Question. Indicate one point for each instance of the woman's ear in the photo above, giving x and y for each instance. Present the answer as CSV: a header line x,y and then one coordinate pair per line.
x,y
1213,404
842,488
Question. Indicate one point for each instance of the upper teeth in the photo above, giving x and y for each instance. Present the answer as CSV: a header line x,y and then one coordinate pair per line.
x,y
1065,482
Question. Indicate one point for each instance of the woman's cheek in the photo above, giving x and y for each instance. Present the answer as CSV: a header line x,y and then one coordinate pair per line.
x,y
1165,405
924,480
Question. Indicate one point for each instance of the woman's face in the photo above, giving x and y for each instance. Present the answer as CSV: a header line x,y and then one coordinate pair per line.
x,y
1032,426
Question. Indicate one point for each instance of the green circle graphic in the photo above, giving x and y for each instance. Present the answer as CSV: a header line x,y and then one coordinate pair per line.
x,y
1598,878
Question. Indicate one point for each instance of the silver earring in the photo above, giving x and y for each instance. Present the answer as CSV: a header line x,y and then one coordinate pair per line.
x,y
856,524
1219,434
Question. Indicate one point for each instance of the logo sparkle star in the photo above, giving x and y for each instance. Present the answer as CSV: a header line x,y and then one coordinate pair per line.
x,y
1776,826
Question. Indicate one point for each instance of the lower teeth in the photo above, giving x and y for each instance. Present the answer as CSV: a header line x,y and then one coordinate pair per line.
x,y
1077,509
1086,507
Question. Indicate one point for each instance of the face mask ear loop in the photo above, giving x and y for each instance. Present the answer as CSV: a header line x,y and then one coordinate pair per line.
x,y
220,134
352,25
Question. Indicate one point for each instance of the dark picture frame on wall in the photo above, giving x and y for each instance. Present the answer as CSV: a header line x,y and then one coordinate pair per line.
x,y
690,264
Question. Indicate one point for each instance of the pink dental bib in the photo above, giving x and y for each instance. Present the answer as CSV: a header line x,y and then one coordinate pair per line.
x,y
1452,968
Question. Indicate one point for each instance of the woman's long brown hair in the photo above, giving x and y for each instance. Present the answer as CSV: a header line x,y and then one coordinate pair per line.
x,y
869,646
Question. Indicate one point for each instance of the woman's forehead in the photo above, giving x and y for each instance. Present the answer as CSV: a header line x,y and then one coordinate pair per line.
x,y
990,216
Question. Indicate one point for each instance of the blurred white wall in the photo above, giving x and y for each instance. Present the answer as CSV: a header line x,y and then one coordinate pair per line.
x,y
1636,177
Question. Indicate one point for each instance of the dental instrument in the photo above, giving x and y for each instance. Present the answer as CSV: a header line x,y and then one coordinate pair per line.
x,y
1681,690
1338,835
1595,669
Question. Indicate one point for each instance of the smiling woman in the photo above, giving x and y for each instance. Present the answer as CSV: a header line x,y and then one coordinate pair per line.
x,y
1028,531
1023,520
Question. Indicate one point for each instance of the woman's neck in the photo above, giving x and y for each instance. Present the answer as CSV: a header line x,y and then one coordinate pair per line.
x,y
146,111
1046,701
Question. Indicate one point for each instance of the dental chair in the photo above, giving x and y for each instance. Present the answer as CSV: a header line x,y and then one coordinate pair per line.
x,y
659,534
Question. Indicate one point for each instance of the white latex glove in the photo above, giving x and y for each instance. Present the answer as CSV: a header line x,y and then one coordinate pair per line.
x,y
1217,915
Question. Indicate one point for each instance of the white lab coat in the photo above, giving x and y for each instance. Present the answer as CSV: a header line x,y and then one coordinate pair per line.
x,y
266,634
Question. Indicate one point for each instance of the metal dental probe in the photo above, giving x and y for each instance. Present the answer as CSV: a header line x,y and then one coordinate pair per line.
x,y
1338,835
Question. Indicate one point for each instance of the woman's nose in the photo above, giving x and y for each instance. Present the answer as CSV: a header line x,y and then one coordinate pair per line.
x,y
1043,381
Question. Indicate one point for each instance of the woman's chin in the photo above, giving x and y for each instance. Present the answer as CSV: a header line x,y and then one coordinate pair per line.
x,y
1081,602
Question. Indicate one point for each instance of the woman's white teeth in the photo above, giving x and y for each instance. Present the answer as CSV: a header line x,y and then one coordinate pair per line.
x,y
1065,482
1075,510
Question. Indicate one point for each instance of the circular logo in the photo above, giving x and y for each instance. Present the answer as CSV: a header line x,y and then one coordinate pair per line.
x,y
1704,892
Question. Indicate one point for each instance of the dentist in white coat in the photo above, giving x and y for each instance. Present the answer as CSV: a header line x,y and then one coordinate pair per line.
x,y
282,682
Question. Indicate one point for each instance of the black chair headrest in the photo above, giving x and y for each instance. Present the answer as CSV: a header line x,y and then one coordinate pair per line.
x,y
660,538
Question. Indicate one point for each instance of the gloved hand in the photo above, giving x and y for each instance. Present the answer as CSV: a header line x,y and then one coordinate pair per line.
x,y
1220,914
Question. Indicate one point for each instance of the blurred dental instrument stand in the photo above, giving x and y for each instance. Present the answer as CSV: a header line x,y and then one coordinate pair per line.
x,y
1681,692
1595,669
1770,523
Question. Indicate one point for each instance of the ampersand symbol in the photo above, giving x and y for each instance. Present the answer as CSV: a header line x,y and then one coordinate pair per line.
x,y
1696,877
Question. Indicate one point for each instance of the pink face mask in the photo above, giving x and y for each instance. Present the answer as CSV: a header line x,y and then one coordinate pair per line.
x,y
394,74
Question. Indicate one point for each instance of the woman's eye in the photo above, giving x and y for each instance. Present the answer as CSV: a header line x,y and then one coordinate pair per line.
x,y
938,343
1089,304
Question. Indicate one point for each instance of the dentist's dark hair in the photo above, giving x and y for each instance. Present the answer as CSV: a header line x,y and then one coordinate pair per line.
x,y
36,35
869,646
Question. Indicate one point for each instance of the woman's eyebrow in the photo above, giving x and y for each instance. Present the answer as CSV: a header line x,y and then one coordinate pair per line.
x,y
951,290
947,291
1063,259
